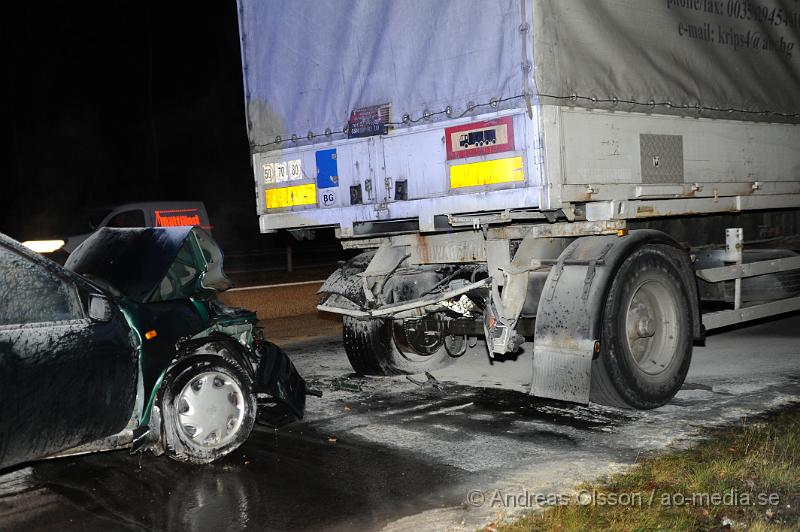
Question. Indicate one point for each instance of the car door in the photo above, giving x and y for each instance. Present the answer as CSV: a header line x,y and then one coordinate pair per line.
x,y
65,379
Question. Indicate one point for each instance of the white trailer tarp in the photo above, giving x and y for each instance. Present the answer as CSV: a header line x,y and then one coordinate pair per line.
x,y
712,54
308,63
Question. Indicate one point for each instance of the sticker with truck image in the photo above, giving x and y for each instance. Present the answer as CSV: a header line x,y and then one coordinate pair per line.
x,y
480,138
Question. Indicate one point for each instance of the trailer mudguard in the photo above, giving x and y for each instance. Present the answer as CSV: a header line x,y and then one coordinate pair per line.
x,y
570,309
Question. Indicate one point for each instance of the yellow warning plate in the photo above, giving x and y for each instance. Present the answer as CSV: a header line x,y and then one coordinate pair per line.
x,y
506,170
292,196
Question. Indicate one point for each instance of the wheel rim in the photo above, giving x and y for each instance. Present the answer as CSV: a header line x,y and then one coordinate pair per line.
x,y
418,337
651,326
210,409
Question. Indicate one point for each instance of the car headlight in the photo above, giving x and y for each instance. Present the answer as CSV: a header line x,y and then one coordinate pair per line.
x,y
44,246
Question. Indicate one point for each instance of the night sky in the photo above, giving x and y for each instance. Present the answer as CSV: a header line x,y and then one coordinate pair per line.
x,y
114,102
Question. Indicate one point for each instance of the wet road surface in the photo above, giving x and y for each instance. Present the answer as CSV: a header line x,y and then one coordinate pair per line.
x,y
294,480
387,452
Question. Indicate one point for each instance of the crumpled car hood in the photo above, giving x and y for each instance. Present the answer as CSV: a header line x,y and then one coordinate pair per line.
x,y
135,261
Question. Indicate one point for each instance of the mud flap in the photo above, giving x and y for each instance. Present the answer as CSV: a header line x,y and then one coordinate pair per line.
x,y
572,364
277,377
567,334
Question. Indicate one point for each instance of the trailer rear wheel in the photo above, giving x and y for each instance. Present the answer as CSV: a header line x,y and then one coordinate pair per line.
x,y
395,347
646,335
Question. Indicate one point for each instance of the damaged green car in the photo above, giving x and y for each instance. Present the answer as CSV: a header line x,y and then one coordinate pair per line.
x,y
139,354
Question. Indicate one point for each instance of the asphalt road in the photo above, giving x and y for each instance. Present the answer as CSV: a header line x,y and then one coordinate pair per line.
x,y
375,453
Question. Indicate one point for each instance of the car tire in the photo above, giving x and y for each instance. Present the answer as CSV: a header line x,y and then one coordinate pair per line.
x,y
646,332
208,407
373,348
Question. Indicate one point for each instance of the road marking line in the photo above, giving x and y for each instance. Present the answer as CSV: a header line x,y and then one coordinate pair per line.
x,y
440,411
243,288
396,411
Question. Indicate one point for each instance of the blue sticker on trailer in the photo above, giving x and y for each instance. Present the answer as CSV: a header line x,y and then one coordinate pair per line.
x,y
327,169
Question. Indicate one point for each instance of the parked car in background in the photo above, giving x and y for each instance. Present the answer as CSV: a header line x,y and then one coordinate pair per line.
x,y
127,346
146,214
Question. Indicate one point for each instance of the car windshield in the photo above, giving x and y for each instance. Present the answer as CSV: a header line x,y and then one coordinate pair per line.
x,y
153,263
180,281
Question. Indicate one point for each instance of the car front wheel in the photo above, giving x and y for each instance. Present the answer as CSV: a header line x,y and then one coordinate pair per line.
x,y
209,409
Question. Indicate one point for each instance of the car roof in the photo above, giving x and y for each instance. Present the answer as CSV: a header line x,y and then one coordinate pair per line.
x,y
31,255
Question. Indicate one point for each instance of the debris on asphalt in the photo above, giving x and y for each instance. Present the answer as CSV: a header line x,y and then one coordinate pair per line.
x,y
332,439
432,382
343,385
314,392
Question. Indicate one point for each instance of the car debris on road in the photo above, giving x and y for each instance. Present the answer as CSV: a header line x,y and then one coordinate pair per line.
x,y
432,382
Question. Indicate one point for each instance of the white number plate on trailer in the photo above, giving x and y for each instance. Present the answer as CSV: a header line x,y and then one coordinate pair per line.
x,y
280,173
269,173
295,170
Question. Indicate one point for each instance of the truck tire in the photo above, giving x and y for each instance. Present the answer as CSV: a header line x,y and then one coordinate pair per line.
x,y
378,347
646,332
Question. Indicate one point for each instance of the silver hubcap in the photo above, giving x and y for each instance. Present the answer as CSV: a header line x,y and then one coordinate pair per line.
x,y
210,409
651,326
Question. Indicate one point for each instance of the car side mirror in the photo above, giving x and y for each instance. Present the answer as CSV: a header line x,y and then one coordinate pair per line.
x,y
99,308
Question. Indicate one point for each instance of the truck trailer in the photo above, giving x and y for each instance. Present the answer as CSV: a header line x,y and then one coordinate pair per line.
x,y
641,186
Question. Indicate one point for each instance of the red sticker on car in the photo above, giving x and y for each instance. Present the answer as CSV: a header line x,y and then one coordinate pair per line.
x,y
480,138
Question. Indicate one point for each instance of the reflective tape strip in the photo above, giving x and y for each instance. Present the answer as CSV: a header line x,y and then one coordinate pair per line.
x,y
292,196
506,170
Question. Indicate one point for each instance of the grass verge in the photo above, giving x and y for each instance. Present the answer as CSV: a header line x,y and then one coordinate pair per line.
x,y
747,476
